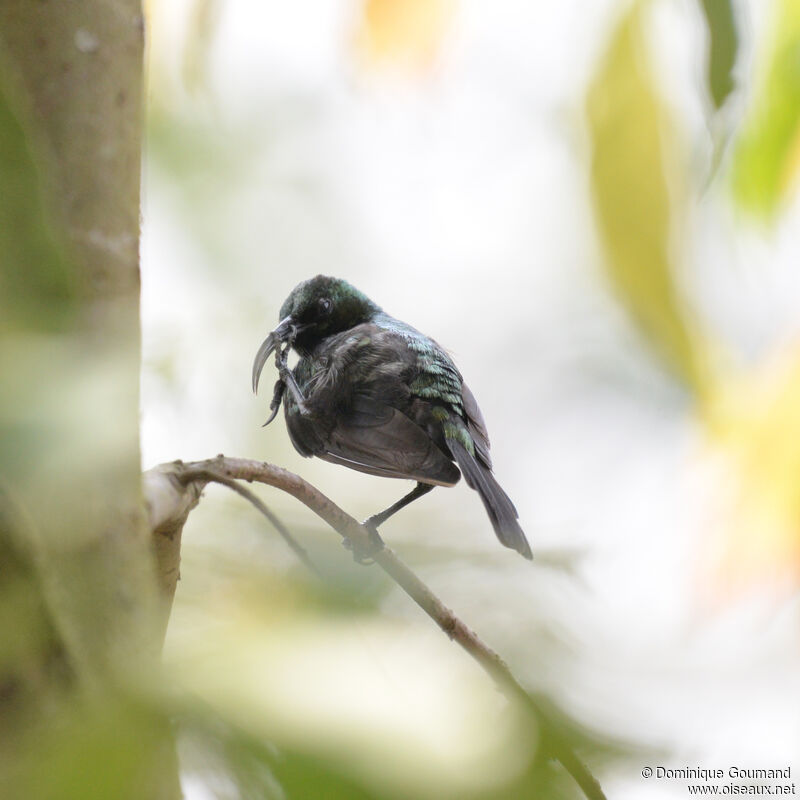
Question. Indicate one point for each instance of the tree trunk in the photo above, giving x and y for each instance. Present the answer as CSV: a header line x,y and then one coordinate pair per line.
x,y
72,522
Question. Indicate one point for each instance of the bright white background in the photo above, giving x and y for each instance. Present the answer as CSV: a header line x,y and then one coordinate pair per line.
x,y
458,200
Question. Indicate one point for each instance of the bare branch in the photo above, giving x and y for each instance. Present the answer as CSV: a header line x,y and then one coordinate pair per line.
x,y
208,475
231,469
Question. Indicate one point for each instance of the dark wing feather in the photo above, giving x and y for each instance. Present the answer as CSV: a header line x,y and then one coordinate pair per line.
x,y
380,440
360,388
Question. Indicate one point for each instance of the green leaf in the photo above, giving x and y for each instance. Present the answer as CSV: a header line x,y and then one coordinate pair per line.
x,y
634,208
766,155
113,748
724,43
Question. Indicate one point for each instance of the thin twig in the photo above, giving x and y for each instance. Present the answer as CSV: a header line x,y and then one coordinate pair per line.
x,y
209,475
347,527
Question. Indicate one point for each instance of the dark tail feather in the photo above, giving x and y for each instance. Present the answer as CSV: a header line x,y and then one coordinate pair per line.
x,y
498,504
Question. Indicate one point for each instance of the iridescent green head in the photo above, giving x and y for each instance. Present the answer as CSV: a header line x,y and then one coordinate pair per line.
x,y
322,306
315,309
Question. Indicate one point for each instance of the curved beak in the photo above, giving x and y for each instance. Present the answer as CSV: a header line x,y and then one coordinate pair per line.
x,y
285,331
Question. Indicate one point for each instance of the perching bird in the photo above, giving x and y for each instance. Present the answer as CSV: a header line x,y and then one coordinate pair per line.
x,y
378,396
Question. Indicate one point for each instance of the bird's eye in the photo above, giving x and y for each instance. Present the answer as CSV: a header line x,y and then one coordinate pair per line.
x,y
325,305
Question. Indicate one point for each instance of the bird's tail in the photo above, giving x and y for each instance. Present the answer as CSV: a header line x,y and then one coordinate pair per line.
x,y
498,504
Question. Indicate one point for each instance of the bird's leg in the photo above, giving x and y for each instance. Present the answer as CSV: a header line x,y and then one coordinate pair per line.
x,y
378,519
372,523
287,378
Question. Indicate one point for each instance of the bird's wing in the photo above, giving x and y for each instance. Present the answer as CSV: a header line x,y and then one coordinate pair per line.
x,y
381,440
361,401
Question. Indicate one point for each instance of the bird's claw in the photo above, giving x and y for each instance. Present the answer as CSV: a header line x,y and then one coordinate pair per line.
x,y
277,396
361,555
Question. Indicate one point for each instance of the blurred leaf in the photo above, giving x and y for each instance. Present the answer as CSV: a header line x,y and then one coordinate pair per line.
x,y
109,749
767,154
203,19
407,34
259,769
756,444
298,774
724,43
262,770
633,204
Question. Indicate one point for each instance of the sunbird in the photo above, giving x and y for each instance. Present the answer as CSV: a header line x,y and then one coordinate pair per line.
x,y
374,394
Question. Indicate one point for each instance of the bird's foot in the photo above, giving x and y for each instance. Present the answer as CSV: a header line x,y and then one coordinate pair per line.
x,y
281,356
361,555
288,380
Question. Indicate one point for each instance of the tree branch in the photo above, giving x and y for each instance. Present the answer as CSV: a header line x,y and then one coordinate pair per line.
x,y
228,470
207,475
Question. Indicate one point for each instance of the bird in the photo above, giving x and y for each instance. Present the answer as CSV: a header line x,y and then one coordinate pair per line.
x,y
372,393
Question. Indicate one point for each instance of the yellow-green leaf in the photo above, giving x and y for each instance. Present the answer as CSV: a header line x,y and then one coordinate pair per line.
x,y
633,204
766,156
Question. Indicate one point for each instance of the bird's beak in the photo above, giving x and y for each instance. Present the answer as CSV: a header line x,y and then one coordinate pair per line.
x,y
286,330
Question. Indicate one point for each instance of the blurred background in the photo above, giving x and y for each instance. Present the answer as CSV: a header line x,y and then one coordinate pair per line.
x,y
593,207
